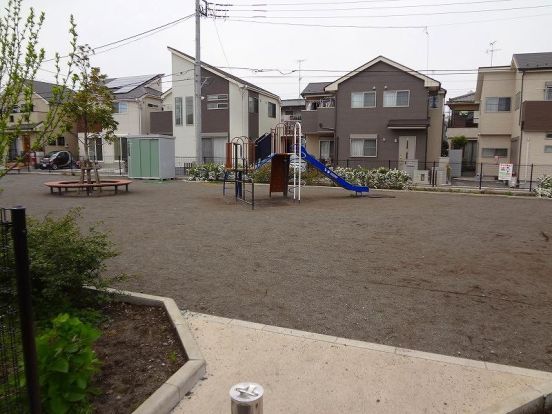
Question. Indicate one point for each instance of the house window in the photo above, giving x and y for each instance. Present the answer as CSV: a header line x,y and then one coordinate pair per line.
x,y
60,141
396,98
253,105
178,111
548,135
494,152
496,104
364,147
95,149
220,97
326,150
548,92
363,99
548,149
11,118
120,107
271,110
150,105
217,105
189,110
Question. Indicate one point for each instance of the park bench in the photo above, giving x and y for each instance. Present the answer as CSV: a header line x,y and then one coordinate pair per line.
x,y
89,187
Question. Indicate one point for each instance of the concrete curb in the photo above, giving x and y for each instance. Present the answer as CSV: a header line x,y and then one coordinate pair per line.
x,y
537,401
166,397
472,363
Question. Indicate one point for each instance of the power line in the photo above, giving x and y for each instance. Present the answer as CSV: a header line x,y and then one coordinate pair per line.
x,y
220,42
399,15
237,7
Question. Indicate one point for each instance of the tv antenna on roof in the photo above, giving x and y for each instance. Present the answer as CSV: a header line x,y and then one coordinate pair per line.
x,y
492,50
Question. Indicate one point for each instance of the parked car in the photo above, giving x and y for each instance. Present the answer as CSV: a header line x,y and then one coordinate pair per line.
x,y
57,159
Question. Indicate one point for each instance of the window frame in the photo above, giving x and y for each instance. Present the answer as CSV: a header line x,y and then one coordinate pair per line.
x,y
371,137
498,104
178,111
117,107
217,97
271,105
255,101
189,110
396,94
548,93
548,149
495,152
216,105
329,141
363,93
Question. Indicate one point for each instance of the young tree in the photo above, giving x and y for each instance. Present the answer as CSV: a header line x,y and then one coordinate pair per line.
x,y
90,107
20,59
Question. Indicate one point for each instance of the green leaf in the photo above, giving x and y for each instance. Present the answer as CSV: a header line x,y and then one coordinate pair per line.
x,y
60,365
74,396
58,406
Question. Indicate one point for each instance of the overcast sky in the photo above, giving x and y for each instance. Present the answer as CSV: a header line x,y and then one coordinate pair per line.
x,y
456,40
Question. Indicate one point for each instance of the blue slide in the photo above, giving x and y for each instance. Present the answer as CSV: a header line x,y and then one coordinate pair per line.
x,y
330,174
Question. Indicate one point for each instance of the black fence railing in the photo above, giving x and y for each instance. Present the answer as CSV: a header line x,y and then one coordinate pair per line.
x,y
17,343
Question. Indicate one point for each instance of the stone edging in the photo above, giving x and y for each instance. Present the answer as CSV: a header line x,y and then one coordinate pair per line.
x,y
538,401
166,397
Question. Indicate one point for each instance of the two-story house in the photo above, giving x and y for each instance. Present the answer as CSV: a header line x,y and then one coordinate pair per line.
x,y
135,97
230,107
31,127
464,121
380,114
515,122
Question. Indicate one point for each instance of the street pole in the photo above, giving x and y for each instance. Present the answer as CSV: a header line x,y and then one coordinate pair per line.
x,y
197,87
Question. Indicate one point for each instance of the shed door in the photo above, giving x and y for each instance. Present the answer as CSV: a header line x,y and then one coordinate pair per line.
x,y
145,164
154,157
134,151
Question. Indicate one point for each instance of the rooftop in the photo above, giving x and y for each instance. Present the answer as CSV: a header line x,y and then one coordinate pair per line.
x,y
532,61
314,88
293,102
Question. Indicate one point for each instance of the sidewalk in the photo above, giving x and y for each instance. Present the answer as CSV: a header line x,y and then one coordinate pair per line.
x,y
308,373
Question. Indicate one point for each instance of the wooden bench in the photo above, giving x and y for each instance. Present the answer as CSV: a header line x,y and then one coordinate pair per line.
x,y
89,187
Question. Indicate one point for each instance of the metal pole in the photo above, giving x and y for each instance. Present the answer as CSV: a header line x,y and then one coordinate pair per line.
x,y
25,306
197,83
433,175
531,179
480,175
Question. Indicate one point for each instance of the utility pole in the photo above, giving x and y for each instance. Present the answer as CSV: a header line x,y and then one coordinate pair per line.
x,y
300,78
492,50
197,84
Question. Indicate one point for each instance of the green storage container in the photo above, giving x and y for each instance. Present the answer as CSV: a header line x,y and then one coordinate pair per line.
x,y
151,157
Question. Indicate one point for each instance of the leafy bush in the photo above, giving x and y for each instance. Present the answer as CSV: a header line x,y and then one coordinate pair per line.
x,y
376,178
206,172
63,260
66,364
262,175
544,187
458,142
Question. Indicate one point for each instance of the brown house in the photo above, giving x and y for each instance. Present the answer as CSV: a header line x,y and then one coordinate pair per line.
x,y
380,114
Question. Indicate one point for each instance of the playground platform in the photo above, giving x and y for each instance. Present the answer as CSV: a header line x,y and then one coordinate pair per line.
x,y
309,373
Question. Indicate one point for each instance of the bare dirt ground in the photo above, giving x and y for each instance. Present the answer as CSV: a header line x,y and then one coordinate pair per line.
x,y
461,275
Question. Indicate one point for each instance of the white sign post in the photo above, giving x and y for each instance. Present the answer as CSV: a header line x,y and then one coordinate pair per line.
x,y
505,172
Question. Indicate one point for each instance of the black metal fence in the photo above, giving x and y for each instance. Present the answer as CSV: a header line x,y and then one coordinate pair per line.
x,y
17,344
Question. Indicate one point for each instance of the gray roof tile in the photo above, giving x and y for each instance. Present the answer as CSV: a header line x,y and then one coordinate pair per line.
x,y
315,88
528,61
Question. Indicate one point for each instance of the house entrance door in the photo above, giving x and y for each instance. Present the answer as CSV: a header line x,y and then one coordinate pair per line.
x,y
407,148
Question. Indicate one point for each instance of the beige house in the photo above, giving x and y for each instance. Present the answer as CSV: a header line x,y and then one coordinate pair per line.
x,y
515,122
135,98
30,128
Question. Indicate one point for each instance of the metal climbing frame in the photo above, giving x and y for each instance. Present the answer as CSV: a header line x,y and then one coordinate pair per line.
x,y
297,162
240,158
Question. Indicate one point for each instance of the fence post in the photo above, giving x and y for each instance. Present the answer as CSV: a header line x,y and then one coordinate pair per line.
x,y
531,179
389,163
347,162
433,175
480,175
25,306
120,170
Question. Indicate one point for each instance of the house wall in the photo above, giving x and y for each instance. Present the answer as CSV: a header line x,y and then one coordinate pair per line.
x,y
375,120
214,120
497,84
490,165
532,152
239,124
265,122
435,130
149,105
185,141
129,122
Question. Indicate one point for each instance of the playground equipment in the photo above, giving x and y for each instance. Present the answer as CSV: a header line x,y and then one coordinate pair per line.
x,y
284,148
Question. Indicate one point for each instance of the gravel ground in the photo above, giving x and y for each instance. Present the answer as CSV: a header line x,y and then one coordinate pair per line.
x,y
462,275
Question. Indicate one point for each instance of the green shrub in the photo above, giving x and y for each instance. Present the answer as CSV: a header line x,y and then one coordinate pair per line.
x,y
544,187
63,260
458,142
66,364
262,175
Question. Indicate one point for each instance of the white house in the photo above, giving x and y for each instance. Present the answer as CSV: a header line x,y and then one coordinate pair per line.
x,y
231,107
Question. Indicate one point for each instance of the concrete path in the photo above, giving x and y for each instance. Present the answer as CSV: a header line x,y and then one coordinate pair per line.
x,y
308,373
